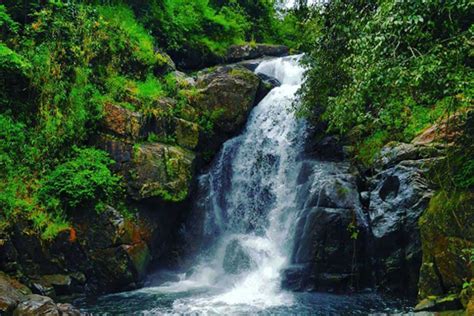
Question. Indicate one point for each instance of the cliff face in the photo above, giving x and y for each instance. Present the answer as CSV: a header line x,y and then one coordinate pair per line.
x,y
413,239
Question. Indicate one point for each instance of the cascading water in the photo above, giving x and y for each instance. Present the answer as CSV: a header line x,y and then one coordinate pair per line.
x,y
250,199
251,207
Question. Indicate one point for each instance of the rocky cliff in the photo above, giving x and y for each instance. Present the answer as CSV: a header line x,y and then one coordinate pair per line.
x,y
389,226
158,154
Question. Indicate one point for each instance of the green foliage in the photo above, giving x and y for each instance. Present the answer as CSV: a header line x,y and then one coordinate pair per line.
x,y
208,119
258,17
456,172
129,35
83,180
389,66
60,61
7,25
186,27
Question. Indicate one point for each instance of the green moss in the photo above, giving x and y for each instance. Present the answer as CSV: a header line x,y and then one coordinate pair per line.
x,y
447,229
371,146
168,196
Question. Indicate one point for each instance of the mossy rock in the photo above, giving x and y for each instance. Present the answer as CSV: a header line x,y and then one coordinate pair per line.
x,y
447,231
229,90
446,303
187,134
161,171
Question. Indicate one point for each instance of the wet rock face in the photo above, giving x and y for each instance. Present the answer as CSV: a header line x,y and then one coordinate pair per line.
x,y
327,256
447,234
102,253
16,299
383,210
399,195
397,202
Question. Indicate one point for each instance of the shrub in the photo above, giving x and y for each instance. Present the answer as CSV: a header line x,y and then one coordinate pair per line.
x,y
389,66
83,181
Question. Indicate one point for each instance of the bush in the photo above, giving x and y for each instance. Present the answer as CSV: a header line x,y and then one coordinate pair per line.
x,y
392,66
83,181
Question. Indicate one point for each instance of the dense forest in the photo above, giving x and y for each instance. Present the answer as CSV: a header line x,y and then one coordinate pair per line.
x,y
377,73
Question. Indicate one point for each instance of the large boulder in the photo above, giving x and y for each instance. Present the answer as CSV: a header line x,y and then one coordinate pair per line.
x,y
36,305
225,96
399,193
330,235
248,51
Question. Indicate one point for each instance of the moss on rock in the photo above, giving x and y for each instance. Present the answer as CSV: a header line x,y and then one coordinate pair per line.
x,y
447,231
161,171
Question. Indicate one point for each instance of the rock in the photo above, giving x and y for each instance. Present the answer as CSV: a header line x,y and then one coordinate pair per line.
x,y
324,251
399,196
330,234
187,134
164,63
100,253
140,256
445,234
16,299
155,170
446,130
133,126
123,122
35,305
267,83
394,153
54,284
183,80
273,82
236,260
226,95
365,198
160,170
10,295
448,303
248,51
230,90
251,64
68,310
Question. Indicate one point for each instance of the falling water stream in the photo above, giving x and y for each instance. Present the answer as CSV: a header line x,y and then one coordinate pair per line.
x,y
249,201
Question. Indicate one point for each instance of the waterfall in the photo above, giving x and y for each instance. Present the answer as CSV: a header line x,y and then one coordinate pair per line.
x,y
261,212
249,202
